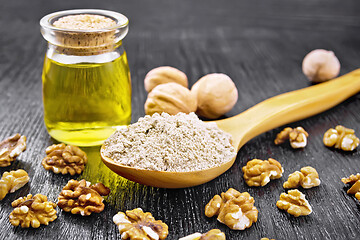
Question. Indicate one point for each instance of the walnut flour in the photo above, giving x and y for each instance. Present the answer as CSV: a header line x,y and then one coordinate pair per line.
x,y
178,143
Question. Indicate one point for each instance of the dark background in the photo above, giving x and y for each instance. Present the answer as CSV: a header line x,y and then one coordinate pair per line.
x,y
259,44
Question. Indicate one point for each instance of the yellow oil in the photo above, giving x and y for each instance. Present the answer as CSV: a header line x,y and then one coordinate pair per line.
x,y
85,103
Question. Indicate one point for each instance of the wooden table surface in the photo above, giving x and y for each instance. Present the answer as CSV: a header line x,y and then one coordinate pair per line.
x,y
259,44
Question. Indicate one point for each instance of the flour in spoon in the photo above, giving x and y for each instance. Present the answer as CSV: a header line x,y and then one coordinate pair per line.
x,y
178,143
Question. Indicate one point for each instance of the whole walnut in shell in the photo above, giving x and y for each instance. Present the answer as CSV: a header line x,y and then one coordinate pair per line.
x,y
320,65
171,98
164,74
216,94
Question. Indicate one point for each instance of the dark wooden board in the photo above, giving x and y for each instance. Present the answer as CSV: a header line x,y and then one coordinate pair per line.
x,y
259,44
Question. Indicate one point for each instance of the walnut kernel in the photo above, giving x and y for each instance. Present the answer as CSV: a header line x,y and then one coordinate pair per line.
x,y
171,98
164,74
320,65
32,210
234,209
216,95
136,224
353,180
10,148
297,136
12,181
342,138
213,234
308,177
78,197
294,202
259,172
64,159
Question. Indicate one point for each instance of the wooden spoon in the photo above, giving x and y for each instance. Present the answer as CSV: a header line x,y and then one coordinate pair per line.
x,y
269,114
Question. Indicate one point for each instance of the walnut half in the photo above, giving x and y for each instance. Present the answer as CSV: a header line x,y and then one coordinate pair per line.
x,y
10,148
297,136
12,181
136,224
259,172
342,138
294,202
32,210
213,234
64,159
354,181
234,209
78,197
308,177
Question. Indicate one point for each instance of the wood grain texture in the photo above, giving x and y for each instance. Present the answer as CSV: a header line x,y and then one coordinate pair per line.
x,y
259,44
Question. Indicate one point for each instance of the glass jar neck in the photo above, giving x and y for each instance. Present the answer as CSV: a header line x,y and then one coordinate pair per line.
x,y
67,56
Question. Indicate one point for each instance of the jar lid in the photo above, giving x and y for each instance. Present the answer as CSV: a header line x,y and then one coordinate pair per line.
x,y
80,41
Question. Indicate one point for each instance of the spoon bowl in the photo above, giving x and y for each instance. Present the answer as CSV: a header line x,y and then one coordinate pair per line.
x,y
271,113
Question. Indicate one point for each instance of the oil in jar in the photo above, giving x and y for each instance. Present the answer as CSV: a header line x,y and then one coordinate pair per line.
x,y
84,103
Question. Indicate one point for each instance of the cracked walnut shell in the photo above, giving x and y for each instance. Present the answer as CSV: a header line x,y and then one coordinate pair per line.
x,y
297,137
10,148
136,224
259,172
342,138
234,209
32,210
64,159
78,197
353,180
12,181
308,177
213,234
294,202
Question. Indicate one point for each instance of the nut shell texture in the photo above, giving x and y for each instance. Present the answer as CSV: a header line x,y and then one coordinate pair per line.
x,y
216,94
320,65
164,74
171,98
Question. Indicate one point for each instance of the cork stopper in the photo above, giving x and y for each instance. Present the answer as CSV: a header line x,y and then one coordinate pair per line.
x,y
84,22
84,32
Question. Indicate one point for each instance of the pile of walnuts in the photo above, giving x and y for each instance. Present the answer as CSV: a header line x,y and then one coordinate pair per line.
x,y
211,96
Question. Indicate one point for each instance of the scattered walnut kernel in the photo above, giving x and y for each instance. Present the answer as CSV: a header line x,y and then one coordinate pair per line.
x,y
308,177
10,148
294,202
213,234
297,136
353,180
64,159
78,197
12,181
136,224
342,138
234,209
32,211
259,172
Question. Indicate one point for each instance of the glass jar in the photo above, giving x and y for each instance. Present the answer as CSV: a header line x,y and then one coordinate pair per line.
x,y
86,79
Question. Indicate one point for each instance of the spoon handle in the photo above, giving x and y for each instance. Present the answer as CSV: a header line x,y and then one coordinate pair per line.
x,y
291,106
